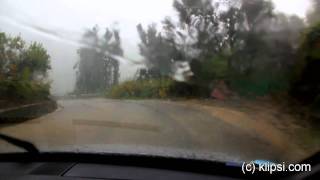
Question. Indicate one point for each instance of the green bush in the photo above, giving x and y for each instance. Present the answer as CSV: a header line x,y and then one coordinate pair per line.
x,y
23,90
260,83
190,90
157,89
306,81
210,69
153,88
19,65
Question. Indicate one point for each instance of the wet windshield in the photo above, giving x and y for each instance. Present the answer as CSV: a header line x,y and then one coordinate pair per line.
x,y
227,80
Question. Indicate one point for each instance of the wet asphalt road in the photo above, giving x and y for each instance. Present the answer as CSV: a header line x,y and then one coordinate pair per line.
x,y
148,127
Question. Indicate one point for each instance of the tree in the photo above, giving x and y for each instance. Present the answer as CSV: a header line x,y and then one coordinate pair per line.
x,y
23,69
11,50
261,45
35,62
197,36
233,23
313,16
244,22
159,52
198,28
97,70
20,62
244,17
306,86
243,39
253,31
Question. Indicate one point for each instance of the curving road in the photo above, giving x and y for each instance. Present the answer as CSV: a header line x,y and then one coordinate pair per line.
x,y
147,127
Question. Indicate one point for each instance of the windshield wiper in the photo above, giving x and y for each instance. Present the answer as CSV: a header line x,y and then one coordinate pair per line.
x,y
29,147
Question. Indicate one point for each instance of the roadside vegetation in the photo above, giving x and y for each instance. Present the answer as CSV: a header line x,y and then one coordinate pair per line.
x,y
142,89
306,87
245,49
23,71
246,46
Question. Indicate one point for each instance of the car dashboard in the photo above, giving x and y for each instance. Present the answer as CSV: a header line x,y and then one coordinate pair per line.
x,y
98,166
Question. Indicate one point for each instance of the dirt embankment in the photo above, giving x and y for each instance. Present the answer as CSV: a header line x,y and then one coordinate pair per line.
x,y
268,120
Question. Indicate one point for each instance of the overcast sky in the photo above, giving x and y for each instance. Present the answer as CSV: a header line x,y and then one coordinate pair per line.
x,y
58,24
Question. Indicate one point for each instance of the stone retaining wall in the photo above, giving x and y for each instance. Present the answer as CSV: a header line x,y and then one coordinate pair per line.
x,y
26,112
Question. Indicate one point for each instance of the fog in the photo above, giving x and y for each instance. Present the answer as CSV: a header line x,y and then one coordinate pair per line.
x,y
59,25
